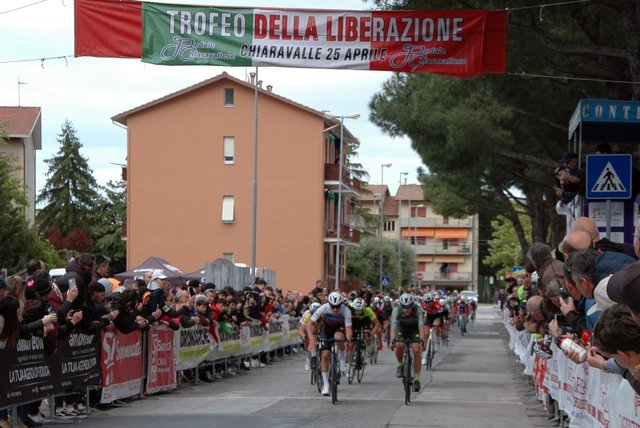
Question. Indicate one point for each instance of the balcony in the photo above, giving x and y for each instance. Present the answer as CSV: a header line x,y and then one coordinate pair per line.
x,y
452,249
434,222
349,235
350,185
437,277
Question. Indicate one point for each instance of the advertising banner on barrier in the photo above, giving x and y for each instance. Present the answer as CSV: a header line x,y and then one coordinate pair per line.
x,y
275,339
230,345
28,372
78,358
121,361
192,346
161,362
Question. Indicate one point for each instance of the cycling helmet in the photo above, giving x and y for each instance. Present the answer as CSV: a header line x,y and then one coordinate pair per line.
x,y
376,300
441,293
335,299
387,299
417,299
406,301
314,307
428,298
358,304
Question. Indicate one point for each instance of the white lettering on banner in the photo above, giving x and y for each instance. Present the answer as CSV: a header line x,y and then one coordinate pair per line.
x,y
334,28
30,373
612,113
201,23
129,351
34,344
78,366
77,340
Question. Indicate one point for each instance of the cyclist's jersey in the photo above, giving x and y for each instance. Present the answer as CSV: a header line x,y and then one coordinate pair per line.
x,y
332,319
366,313
387,309
432,309
463,308
306,316
407,324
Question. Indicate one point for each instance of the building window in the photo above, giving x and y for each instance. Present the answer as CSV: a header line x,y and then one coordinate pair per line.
x,y
389,226
228,256
445,244
228,97
227,209
229,144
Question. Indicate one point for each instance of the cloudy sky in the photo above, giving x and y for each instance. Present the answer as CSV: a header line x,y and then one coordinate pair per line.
x,y
89,91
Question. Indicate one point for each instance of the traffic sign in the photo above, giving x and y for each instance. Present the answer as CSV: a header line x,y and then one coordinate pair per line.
x,y
419,276
608,176
386,281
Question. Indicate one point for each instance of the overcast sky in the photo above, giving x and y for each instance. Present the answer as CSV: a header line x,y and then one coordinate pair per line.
x,y
89,91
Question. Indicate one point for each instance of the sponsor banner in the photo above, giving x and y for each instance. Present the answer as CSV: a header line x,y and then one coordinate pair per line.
x,y
230,345
161,364
78,359
192,346
460,43
274,337
121,360
591,397
27,372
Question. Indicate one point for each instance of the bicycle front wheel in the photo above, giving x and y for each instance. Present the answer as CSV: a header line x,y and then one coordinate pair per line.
x,y
360,362
333,377
407,378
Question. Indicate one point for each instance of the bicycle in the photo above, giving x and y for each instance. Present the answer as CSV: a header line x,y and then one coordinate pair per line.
x,y
430,353
407,375
444,334
316,376
334,369
358,362
373,356
463,324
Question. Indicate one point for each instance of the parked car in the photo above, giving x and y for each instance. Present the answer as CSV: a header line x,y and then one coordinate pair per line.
x,y
469,295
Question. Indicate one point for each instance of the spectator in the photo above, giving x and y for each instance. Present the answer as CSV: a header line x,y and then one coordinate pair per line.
x,y
602,244
547,267
568,178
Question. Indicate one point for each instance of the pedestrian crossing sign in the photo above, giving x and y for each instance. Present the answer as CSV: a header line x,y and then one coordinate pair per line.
x,y
608,176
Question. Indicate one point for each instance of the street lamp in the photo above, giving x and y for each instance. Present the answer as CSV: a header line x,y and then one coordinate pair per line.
x,y
339,220
382,194
400,231
416,227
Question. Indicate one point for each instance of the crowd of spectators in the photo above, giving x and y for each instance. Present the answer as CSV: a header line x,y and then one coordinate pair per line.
x,y
588,293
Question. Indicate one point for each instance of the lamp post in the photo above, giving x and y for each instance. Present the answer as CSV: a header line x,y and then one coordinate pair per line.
x,y
417,207
339,214
382,194
400,231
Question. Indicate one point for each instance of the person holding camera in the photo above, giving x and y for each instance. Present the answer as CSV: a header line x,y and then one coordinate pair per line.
x,y
128,318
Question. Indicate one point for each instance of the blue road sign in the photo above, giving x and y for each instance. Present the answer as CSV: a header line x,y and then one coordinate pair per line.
x,y
608,177
386,281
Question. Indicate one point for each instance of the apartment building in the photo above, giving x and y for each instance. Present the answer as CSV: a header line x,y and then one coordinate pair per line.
x,y
190,180
23,128
446,248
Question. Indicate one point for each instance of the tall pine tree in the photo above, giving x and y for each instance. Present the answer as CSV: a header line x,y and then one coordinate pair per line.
x,y
69,196
19,242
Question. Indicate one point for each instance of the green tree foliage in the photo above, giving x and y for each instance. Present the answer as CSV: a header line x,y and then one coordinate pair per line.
x,y
504,249
69,197
108,230
491,142
363,262
19,242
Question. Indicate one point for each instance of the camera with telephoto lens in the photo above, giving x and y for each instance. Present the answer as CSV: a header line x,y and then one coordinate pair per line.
x,y
564,294
115,302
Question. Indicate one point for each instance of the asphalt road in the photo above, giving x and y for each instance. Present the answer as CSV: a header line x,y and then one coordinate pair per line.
x,y
475,383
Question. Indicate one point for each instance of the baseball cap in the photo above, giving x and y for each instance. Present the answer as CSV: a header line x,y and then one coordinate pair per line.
x,y
624,286
158,274
603,301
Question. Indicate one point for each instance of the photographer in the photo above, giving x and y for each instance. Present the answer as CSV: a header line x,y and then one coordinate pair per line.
x,y
128,317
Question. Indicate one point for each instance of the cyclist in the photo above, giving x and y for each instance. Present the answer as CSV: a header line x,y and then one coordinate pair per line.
x,y
406,323
336,324
434,317
363,317
311,359
464,308
385,314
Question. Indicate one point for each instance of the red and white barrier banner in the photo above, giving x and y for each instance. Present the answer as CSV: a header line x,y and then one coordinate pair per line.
x,y
121,360
192,346
460,43
161,363
591,397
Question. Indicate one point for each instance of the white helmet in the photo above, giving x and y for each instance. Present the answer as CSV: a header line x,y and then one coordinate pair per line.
x,y
406,301
387,299
428,298
358,303
314,307
376,299
335,299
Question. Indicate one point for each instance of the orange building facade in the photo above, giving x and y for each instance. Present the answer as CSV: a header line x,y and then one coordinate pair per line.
x,y
190,180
